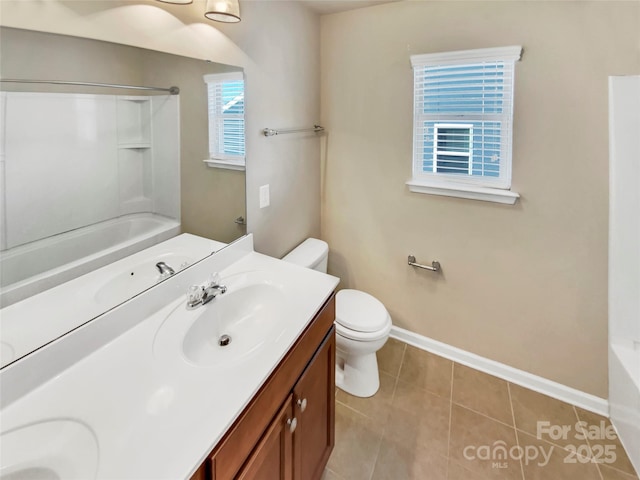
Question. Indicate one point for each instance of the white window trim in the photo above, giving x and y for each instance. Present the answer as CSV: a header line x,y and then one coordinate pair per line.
x,y
471,192
511,53
221,77
440,185
228,162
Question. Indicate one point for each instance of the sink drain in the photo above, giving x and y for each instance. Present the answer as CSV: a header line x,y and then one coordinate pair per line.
x,y
224,340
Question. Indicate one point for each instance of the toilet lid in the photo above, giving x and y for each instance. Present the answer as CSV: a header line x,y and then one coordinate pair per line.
x,y
360,311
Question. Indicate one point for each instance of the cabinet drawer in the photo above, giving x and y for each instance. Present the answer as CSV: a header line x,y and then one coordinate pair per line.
x,y
236,446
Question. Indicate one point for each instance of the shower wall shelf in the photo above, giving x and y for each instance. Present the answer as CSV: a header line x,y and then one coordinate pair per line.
x,y
138,145
135,153
134,121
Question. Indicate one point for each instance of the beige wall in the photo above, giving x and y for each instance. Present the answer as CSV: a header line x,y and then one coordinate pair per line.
x,y
525,285
277,44
283,91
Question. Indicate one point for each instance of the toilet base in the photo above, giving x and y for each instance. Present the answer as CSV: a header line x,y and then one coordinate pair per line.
x,y
357,374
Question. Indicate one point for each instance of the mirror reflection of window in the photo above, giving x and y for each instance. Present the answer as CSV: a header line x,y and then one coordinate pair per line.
x,y
226,119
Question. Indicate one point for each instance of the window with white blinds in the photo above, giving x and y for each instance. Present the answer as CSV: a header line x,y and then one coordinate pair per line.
x,y
226,116
463,117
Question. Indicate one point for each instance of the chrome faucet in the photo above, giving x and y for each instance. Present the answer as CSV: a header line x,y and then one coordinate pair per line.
x,y
203,294
164,269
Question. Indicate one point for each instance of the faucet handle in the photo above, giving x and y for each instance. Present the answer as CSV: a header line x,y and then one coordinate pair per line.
x,y
194,295
214,283
214,280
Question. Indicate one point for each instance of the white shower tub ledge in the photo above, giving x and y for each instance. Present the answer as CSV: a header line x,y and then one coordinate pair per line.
x,y
624,396
37,266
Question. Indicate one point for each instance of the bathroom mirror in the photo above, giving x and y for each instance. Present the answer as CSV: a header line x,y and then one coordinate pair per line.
x,y
92,174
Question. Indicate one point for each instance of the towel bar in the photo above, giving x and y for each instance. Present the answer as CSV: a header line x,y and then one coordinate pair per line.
x,y
270,132
435,265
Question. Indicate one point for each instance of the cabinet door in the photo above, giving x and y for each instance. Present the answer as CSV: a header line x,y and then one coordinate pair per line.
x,y
272,457
314,408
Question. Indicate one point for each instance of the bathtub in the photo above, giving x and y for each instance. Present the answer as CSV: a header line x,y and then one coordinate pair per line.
x,y
624,261
624,396
37,266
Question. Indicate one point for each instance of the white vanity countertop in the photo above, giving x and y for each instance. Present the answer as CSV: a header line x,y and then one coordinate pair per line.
x,y
154,414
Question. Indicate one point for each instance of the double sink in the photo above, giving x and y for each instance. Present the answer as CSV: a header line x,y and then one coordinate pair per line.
x,y
236,339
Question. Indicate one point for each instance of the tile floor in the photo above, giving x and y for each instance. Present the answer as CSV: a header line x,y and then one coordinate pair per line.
x,y
429,411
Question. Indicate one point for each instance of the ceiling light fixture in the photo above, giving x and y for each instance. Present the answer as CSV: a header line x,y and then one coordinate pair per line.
x,y
227,11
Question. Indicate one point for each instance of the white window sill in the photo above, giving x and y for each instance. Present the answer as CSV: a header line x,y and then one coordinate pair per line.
x,y
227,164
464,191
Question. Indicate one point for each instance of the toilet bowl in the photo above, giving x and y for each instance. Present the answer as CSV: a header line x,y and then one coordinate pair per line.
x,y
362,326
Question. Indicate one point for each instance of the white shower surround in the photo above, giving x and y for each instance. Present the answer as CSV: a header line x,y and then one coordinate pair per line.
x,y
32,268
86,179
624,262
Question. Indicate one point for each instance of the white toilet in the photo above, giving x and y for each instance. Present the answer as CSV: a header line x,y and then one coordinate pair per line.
x,y
362,326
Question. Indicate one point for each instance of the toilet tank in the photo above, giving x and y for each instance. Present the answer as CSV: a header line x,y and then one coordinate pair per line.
x,y
312,253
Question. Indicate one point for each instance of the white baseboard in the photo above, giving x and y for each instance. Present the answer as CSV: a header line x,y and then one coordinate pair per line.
x,y
519,377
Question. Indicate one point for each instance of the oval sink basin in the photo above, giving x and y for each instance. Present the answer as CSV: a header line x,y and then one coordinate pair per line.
x,y
234,325
137,279
228,330
49,450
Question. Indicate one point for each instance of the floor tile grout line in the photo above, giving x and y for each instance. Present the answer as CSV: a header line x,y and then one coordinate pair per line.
x,y
404,353
421,389
375,460
384,428
586,439
633,476
513,419
336,474
483,415
486,415
450,418
550,442
393,394
555,445
354,410
397,379
521,462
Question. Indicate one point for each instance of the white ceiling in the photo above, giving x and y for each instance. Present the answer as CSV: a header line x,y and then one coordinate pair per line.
x,y
324,7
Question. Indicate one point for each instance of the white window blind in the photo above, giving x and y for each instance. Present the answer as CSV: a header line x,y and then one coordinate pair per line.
x,y
226,116
463,116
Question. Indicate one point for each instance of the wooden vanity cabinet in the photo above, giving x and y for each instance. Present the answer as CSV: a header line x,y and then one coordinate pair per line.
x,y
314,409
272,457
287,431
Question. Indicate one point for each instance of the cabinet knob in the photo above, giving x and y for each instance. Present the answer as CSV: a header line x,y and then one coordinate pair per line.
x,y
292,423
302,403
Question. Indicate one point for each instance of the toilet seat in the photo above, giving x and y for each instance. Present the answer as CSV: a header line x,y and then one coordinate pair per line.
x,y
363,336
358,311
